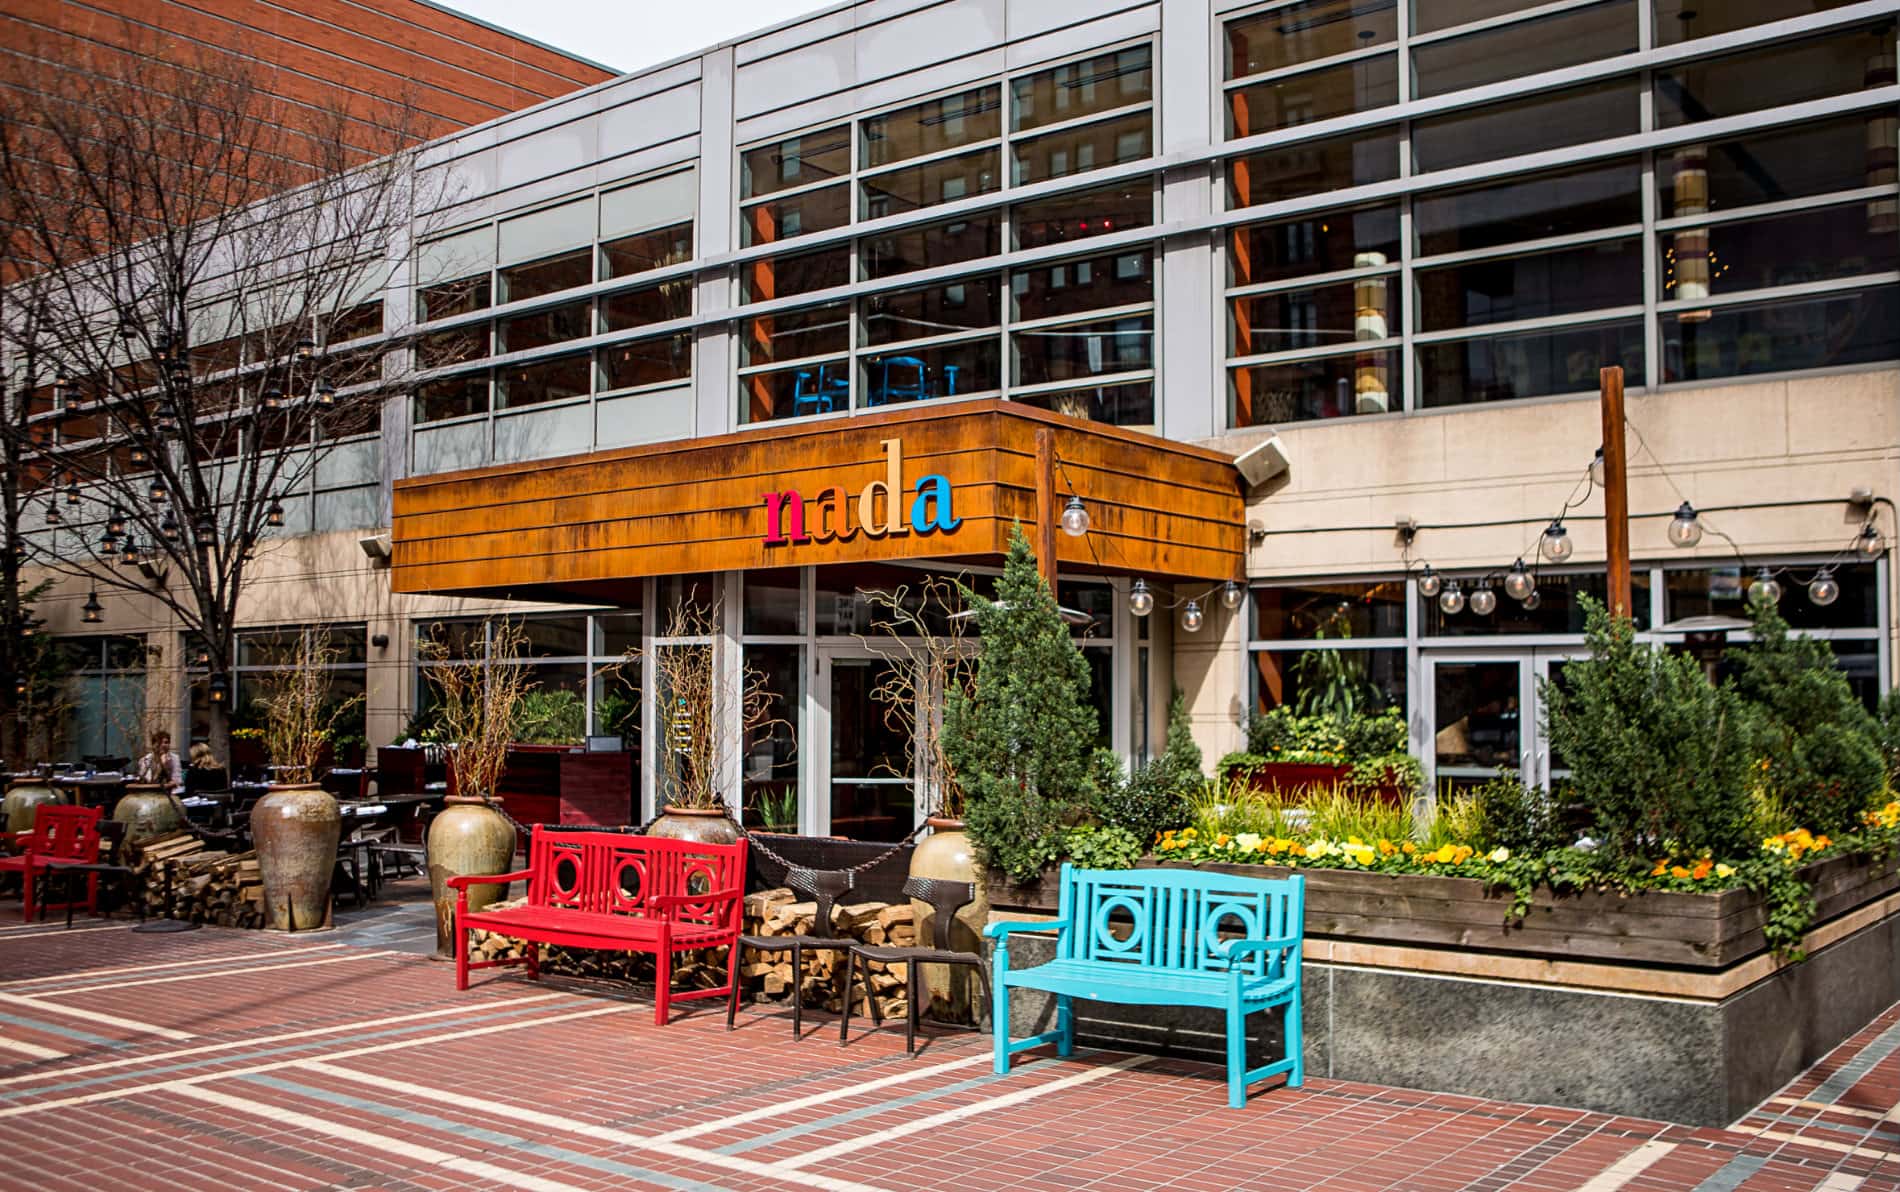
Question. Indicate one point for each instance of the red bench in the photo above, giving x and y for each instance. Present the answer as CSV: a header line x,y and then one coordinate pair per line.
x,y
59,834
617,892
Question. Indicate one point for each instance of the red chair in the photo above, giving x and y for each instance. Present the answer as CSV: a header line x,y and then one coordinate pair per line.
x,y
59,834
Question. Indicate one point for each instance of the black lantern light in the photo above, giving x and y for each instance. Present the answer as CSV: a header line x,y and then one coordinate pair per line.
x,y
130,556
326,395
115,525
218,689
274,516
273,398
169,528
93,612
52,513
72,490
306,348
157,491
203,531
138,456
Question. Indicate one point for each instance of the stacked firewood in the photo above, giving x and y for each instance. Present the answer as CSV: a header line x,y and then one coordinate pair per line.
x,y
180,878
763,974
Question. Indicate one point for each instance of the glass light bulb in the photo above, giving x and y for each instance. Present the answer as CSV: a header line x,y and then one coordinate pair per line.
x,y
1534,601
1191,617
1869,544
1141,601
1765,590
1519,583
1429,583
1452,600
1556,543
1484,601
1823,591
1075,518
1685,529
1230,595
1596,469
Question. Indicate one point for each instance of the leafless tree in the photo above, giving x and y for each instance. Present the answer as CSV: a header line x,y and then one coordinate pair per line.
x,y
476,699
299,716
194,317
919,630
696,700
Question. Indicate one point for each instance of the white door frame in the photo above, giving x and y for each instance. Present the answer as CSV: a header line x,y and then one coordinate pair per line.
x,y
1533,663
814,805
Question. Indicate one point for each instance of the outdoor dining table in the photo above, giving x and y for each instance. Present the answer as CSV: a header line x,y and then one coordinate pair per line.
x,y
92,790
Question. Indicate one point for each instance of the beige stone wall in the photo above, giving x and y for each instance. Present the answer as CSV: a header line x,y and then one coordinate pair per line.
x,y
1806,438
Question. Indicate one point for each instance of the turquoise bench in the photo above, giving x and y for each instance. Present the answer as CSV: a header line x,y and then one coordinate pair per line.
x,y
1166,937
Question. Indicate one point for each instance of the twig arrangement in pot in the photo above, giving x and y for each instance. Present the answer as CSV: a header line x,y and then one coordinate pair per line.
x,y
477,701
295,827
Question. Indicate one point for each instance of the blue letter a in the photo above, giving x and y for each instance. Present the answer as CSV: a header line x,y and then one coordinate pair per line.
x,y
933,490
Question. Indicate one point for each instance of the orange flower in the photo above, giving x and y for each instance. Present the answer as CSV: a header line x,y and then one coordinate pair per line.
x,y
1678,871
1662,867
1702,869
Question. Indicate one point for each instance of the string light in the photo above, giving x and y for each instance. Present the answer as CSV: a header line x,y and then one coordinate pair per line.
x,y
1685,529
1075,517
1823,590
1141,601
1765,591
1556,543
1230,595
1519,583
1191,617
1429,583
1451,601
1484,601
1869,543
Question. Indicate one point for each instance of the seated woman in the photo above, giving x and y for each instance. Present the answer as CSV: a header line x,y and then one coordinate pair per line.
x,y
205,773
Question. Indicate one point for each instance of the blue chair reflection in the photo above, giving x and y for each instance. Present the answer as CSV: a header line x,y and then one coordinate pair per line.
x,y
899,378
827,390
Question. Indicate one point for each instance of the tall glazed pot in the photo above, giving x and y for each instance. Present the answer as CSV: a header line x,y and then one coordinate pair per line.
x,y
295,829
701,825
148,811
947,854
24,794
471,837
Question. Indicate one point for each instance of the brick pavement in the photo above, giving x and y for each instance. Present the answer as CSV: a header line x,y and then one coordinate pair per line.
x,y
249,1060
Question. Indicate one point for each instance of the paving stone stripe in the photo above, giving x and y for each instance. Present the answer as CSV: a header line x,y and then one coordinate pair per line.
x,y
65,1032
30,1050
63,979
84,1015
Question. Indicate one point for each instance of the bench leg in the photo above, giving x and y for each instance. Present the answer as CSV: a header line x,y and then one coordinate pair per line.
x,y
1065,1026
26,893
732,982
798,992
531,954
910,1009
1236,1057
844,1007
1295,1042
999,1010
461,952
662,985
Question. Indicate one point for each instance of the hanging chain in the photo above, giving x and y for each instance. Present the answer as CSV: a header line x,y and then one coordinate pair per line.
x,y
755,842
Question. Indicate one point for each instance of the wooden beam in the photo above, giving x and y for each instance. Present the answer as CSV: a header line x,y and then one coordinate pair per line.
x,y
1616,493
1046,512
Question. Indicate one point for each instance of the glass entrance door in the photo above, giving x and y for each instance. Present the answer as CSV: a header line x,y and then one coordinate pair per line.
x,y
1486,715
867,772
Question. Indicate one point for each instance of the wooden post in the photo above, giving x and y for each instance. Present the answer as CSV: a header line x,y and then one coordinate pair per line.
x,y
1046,511
1616,493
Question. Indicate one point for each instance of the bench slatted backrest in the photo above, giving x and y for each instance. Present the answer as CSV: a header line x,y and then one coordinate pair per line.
x,y
65,833
614,873
1173,918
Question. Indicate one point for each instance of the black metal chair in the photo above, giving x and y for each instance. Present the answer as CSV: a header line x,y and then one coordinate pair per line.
x,y
825,886
946,898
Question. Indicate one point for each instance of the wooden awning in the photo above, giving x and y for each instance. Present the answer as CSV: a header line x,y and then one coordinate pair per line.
x,y
792,494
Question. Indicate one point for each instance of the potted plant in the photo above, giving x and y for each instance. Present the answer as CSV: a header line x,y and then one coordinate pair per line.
x,y
295,827
700,753
1297,752
476,702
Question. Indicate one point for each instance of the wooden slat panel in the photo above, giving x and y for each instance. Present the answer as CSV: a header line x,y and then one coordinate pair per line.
x,y
1159,508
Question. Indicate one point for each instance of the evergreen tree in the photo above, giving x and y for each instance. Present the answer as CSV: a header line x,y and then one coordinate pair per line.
x,y
1022,740
1155,797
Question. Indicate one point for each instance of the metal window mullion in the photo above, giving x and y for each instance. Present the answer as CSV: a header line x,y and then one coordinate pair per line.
x,y
781,365
1521,16
1408,289
793,192
1087,316
1310,66
1312,281
1389,343
968,335
1609,314
1531,247
1841,198
1800,290
969,148
1104,380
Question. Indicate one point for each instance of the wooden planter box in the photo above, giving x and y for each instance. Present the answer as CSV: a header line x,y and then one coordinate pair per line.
x,y
1295,778
1711,931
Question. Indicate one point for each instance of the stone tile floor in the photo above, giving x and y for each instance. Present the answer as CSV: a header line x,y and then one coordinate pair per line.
x,y
228,1059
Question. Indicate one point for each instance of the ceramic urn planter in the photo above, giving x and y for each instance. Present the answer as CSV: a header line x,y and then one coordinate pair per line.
x,y
148,811
295,829
469,837
948,854
23,795
701,825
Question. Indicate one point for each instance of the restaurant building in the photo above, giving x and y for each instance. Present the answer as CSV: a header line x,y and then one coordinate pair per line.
x,y
1298,297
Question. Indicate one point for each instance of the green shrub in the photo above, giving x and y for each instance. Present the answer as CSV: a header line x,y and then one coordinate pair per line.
x,y
1155,797
1887,734
1820,747
1022,739
1456,819
1092,846
550,717
1343,813
1658,755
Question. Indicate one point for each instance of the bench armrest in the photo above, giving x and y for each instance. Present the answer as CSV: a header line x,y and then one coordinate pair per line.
x,y
464,881
1233,949
1004,927
661,902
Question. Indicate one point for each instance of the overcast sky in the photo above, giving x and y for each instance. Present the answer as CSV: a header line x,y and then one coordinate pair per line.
x,y
630,34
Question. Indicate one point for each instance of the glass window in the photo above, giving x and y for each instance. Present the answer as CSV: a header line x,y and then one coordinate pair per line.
x,y
1079,351
1078,216
1525,48
1686,20
1302,390
683,593
796,334
648,250
1092,283
823,387
1324,243
774,601
1322,611
1306,33
617,706
1430,16
617,634
647,361
1533,286
1573,117
444,348
770,787
1322,317
551,326
1527,363
1079,150
1313,167
1314,95
651,304
452,298
797,161
1766,167
1558,609
782,277
1099,84
942,181
1722,592
545,380
932,126
546,276
1786,73
945,370
1542,205
1782,250
1129,404
1305,680
452,397
1852,327
808,211
354,322
966,304
926,247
